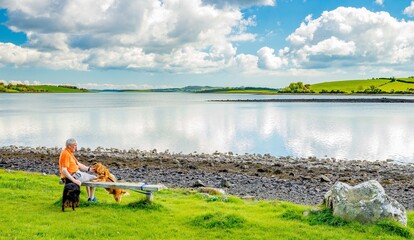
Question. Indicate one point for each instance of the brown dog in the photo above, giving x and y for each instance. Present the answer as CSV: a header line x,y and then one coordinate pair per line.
x,y
105,176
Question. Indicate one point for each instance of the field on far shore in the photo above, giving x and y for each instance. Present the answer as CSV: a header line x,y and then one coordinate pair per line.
x,y
31,209
59,89
20,88
353,86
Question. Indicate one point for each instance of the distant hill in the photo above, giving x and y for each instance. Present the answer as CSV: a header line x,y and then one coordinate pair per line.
x,y
190,89
21,88
209,89
369,86
378,85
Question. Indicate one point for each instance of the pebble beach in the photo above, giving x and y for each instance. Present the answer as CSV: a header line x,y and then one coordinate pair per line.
x,y
254,176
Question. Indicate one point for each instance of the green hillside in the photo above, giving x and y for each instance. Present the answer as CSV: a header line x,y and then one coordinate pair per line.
x,y
381,85
21,88
59,89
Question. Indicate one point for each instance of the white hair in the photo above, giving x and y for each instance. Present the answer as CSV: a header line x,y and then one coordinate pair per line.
x,y
71,141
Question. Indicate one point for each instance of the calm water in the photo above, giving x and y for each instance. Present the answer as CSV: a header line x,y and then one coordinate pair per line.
x,y
188,122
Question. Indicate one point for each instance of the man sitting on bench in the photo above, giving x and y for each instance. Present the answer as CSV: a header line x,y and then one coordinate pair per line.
x,y
70,167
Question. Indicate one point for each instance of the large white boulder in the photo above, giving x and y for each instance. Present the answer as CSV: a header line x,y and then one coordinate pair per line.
x,y
365,203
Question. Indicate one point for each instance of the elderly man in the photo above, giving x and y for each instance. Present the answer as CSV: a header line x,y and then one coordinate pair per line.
x,y
69,168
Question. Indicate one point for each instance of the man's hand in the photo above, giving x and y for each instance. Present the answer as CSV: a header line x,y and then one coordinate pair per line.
x,y
68,176
77,182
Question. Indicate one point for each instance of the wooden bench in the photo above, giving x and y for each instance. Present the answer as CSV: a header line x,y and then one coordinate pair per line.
x,y
143,188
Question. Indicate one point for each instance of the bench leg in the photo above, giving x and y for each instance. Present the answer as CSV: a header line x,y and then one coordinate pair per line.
x,y
150,197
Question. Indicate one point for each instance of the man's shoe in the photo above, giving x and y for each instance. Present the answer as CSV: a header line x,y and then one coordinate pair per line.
x,y
92,200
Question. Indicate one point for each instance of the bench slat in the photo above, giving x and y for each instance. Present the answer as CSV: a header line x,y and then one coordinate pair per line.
x,y
125,185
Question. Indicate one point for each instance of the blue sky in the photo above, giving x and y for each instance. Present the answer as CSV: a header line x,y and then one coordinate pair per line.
x,y
175,43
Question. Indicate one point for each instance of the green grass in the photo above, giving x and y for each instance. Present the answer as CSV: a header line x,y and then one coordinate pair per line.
x,y
347,85
30,209
398,86
58,89
39,89
401,84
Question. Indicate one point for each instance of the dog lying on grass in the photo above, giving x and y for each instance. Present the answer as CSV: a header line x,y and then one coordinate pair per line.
x,y
70,196
105,176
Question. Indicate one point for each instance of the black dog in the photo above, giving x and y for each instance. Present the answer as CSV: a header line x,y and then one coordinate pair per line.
x,y
70,196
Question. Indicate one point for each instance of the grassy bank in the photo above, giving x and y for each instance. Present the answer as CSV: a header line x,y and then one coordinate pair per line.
x,y
354,86
30,209
20,88
59,89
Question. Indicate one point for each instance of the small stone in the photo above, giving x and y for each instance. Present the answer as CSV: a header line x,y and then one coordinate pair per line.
x,y
212,191
198,183
225,183
306,177
248,197
325,178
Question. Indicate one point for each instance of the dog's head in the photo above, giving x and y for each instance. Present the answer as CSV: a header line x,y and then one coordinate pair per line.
x,y
103,172
118,193
118,196
100,169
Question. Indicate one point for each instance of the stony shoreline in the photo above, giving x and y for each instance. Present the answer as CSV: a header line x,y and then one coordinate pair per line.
x,y
298,180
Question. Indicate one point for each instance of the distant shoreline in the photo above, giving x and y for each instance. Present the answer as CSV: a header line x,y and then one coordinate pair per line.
x,y
327,100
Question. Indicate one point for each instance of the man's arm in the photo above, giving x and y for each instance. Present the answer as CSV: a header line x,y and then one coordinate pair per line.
x,y
83,167
68,176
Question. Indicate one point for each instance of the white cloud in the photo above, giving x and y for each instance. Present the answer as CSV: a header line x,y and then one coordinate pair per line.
x,y
379,2
330,47
197,36
240,3
243,37
155,35
13,55
246,63
15,82
120,57
352,36
409,10
115,86
268,60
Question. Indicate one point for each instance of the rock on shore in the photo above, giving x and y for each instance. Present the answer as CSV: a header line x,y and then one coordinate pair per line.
x,y
298,180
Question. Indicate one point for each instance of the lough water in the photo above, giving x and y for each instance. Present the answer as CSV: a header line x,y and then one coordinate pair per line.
x,y
186,123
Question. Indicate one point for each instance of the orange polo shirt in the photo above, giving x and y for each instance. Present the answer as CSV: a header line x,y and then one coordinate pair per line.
x,y
68,160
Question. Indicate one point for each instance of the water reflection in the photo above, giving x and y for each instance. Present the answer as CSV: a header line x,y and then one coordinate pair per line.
x,y
187,123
